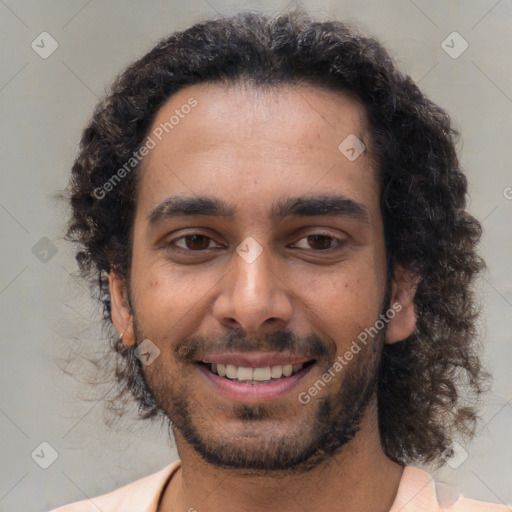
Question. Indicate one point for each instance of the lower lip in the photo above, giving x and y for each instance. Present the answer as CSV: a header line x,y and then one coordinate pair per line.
x,y
253,392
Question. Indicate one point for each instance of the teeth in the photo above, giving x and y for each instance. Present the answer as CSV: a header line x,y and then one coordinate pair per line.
x,y
260,373
221,369
287,370
231,371
276,371
244,373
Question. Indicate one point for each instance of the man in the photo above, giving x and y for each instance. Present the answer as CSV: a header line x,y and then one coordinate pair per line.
x,y
276,219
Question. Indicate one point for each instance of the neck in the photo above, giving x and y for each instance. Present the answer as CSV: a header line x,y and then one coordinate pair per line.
x,y
359,478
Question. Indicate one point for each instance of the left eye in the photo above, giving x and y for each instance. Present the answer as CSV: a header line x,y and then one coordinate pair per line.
x,y
323,241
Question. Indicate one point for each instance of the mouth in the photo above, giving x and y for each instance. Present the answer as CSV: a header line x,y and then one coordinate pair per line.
x,y
256,376
254,382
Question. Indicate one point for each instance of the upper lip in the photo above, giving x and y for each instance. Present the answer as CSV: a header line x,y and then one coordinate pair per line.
x,y
254,359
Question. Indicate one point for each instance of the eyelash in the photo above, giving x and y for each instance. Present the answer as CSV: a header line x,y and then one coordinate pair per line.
x,y
341,243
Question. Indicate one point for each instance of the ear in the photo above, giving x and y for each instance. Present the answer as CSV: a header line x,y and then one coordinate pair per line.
x,y
120,309
403,287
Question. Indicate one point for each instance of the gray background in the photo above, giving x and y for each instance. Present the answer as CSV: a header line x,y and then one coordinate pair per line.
x,y
46,312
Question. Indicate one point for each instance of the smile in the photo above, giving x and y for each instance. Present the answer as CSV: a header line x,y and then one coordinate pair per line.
x,y
253,384
262,375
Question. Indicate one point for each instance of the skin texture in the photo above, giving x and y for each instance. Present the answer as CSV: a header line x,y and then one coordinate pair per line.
x,y
252,148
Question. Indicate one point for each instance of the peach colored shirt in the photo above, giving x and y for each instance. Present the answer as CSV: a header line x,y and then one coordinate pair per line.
x,y
417,492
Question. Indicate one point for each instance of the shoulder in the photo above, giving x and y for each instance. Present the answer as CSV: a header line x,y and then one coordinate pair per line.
x,y
419,492
138,496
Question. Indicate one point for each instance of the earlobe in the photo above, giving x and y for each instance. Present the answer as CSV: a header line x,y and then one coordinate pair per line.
x,y
403,289
120,309
127,337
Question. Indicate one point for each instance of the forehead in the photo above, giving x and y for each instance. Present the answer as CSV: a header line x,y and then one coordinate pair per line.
x,y
239,140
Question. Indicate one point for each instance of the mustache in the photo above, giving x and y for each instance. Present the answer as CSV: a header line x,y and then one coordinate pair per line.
x,y
190,349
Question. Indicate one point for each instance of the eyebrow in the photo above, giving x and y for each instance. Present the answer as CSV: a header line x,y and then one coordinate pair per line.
x,y
302,206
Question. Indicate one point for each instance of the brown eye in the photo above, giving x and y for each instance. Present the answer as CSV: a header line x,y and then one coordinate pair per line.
x,y
320,242
194,242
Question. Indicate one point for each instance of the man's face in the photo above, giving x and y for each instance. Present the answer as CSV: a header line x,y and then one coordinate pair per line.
x,y
263,288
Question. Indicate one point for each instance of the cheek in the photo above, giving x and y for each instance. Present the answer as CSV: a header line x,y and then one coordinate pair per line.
x,y
346,301
168,297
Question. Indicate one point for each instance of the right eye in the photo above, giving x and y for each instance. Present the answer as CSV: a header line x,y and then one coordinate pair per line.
x,y
192,243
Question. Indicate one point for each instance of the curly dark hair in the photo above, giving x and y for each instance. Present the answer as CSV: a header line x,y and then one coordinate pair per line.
x,y
421,406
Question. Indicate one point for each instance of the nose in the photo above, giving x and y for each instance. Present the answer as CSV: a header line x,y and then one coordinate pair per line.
x,y
254,296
